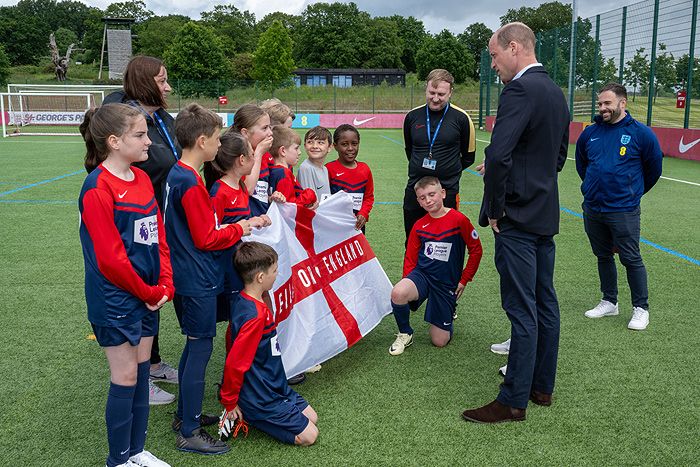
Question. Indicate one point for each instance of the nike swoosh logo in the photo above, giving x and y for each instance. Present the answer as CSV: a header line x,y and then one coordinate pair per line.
x,y
446,324
197,416
319,187
124,452
686,147
426,225
234,200
339,174
593,139
357,122
124,194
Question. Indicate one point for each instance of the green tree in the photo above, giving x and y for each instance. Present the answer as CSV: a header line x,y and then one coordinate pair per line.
x,y
242,65
238,27
64,38
682,73
543,18
384,46
156,34
444,51
665,71
637,71
476,38
290,22
4,66
24,39
272,61
135,9
196,62
412,33
331,36
607,73
92,38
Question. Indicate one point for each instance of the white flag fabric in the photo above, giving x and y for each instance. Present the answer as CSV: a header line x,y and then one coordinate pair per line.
x,y
331,289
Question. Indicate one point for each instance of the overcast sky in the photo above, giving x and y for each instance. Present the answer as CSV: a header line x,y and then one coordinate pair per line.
x,y
454,15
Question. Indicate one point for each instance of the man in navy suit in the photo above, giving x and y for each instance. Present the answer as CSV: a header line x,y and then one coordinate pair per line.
x,y
521,204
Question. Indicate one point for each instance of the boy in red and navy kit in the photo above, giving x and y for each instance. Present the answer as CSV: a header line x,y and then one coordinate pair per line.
x,y
433,267
255,385
283,184
349,175
195,237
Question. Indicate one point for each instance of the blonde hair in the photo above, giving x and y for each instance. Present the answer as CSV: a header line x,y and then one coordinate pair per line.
x,y
439,74
283,137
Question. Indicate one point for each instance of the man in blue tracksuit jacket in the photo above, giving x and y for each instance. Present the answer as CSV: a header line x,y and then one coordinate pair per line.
x,y
618,160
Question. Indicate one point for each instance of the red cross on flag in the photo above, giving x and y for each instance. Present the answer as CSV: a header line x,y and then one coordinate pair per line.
x,y
331,289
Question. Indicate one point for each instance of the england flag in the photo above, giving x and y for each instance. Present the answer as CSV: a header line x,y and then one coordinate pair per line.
x,y
331,289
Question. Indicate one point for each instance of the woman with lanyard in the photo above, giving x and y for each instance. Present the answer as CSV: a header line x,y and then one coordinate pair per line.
x,y
146,88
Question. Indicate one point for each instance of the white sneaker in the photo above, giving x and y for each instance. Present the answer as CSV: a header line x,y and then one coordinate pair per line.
x,y
501,349
127,464
156,396
164,374
640,319
502,370
314,369
146,459
604,308
402,341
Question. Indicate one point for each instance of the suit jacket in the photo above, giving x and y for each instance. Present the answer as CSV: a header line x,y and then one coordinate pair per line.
x,y
528,148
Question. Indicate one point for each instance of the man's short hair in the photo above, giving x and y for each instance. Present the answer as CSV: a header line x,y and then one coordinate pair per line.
x,y
319,133
426,181
619,90
439,74
252,258
516,32
194,121
283,137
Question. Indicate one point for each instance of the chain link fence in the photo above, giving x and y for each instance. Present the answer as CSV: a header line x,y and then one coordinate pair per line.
x,y
645,46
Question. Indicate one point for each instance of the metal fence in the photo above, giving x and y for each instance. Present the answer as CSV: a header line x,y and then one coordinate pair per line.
x,y
645,46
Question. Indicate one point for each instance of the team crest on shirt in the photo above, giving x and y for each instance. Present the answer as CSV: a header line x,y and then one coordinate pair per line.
x,y
146,230
439,251
275,347
625,139
475,234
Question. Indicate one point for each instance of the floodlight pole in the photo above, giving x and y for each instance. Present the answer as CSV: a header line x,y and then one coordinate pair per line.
x,y
572,59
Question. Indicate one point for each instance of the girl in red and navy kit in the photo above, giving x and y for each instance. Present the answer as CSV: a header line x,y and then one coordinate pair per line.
x,y
127,270
196,239
230,199
253,123
349,175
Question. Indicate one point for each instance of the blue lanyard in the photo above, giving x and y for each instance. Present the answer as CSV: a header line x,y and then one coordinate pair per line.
x,y
427,127
164,132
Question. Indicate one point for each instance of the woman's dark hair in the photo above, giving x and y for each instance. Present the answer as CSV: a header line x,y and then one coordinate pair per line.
x,y
101,123
140,83
342,129
233,145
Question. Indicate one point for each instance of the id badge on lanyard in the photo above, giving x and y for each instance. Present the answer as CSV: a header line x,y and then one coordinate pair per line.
x,y
428,162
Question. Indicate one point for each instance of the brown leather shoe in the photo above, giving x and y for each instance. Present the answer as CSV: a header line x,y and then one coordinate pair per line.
x,y
494,412
541,398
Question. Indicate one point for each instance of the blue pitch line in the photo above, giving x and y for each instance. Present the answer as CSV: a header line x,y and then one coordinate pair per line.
x,y
580,216
43,182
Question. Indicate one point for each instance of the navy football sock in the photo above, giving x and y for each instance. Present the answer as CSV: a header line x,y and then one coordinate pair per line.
x,y
140,409
192,385
180,372
402,314
118,417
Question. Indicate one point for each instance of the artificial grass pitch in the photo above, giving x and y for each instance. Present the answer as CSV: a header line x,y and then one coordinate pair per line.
x,y
622,397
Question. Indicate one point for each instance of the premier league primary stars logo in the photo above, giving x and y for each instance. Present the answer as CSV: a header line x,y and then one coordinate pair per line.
x,y
143,232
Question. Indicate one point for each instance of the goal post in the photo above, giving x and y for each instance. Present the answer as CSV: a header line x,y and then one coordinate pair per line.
x,y
43,113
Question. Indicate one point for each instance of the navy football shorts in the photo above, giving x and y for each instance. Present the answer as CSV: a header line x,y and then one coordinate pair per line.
x,y
196,315
286,423
441,300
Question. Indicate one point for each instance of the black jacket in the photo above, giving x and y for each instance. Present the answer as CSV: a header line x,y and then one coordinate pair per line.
x,y
528,148
160,154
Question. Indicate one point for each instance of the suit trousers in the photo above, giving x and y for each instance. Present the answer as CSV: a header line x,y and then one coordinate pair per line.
x,y
525,263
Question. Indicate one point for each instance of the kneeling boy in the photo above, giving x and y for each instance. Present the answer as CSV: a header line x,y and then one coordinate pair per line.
x,y
432,267
255,386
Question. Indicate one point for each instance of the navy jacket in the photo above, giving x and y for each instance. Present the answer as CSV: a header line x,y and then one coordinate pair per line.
x,y
528,147
617,163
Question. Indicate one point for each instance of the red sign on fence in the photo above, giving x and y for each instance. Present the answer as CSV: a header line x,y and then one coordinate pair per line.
x,y
680,99
223,100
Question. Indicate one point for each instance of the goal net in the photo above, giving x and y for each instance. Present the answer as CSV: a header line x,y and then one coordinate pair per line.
x,y
43,112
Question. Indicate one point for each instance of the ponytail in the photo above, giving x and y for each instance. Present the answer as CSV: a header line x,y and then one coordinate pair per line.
x,y
233,145
98,125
